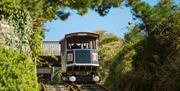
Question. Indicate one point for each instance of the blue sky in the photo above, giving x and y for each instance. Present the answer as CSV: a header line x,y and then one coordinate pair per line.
x,y
116,21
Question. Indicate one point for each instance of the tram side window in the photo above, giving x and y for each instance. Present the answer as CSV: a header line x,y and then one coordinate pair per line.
x,y
92,44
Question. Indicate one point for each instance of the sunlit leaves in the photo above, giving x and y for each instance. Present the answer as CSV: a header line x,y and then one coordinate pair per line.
x,y
7,7
156,56
16,72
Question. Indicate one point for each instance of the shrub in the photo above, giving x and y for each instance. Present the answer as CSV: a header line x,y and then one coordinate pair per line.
x,y
16,72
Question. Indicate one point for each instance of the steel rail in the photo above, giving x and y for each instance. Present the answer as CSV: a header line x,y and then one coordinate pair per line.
x,y
73,87
93,87
102,87
43,87
80,87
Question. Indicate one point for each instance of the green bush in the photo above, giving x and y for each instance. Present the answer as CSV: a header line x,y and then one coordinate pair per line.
x,y
16,72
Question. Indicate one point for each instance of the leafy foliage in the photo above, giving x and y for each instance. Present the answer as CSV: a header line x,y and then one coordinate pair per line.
x,y
16,71
21,22
150,54
122,62
110,42
57,76
161,24
109,45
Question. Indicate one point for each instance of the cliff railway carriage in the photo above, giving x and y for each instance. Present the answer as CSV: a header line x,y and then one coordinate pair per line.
x,y
79,57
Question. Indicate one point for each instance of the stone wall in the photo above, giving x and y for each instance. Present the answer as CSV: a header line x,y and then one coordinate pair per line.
x,y
11,38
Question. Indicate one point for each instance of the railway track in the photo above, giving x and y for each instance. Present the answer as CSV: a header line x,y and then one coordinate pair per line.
x,y
93,87
74,87
64,87
54,88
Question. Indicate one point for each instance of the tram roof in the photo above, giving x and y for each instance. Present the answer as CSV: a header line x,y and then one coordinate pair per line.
x,y
80,34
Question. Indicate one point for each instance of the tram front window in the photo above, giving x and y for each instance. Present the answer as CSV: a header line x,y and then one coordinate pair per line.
x,y
91,44
75,46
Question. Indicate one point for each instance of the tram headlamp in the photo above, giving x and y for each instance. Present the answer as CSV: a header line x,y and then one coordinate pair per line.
x,y
96,78
94,57
72,78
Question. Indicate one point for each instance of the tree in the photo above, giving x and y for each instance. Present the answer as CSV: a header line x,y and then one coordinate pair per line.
x,y
152,59
109,45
